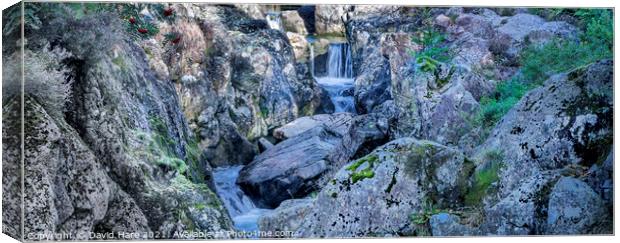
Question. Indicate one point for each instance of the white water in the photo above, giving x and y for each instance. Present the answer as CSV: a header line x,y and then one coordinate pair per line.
x,y
240,207
274,20
339,80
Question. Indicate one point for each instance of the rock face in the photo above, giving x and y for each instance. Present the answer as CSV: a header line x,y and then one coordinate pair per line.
x,y
68,191
377,194
365,29
330,19
243,92
121,158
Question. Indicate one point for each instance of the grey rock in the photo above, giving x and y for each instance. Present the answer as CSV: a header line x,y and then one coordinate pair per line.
x,y
291,168
405,173
574,208
315,148
445,224
540,138
338,122
286,217
264,144
330,19
292,22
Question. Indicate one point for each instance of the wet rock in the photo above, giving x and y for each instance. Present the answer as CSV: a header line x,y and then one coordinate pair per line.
x,y
314,149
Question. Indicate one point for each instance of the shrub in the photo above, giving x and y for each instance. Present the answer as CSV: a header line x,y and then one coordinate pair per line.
x,y
89,36
45,79
538,63
432,52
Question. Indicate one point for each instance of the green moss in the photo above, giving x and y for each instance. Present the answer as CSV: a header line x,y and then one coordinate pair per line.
x,y
358,175
484,177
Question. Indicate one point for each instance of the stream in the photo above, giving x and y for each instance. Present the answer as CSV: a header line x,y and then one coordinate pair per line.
x,y
339,84
240,207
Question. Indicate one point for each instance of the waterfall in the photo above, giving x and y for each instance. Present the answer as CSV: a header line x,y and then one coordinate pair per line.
x,y
339,63
339,80
274,20
240,207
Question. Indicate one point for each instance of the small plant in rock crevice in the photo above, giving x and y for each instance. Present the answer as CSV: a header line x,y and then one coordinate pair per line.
x,y
432,53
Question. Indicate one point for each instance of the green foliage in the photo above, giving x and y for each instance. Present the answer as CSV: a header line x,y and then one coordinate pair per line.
x,y
599,26
162,146
364,173
428,210
539,62
506,95
432,52
484,177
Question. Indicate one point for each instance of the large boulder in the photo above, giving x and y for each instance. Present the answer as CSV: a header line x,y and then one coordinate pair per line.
x,y
314,149
574,208
561,128
379,193
517,31
291,168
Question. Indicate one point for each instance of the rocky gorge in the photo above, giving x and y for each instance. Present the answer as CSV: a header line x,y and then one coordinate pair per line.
x,y
323,121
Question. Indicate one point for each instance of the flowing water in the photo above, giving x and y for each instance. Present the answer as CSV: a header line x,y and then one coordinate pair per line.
x,y
240,207
339,84
274,20
339,80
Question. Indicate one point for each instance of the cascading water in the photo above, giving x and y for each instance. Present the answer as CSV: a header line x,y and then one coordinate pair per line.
x,y
339,79
274,20
240,207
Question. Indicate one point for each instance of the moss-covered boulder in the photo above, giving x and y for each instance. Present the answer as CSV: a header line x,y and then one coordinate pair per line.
x,y
393,189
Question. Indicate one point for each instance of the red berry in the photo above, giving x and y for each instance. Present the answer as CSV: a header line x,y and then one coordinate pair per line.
x,y
143,30
168,11
132,20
